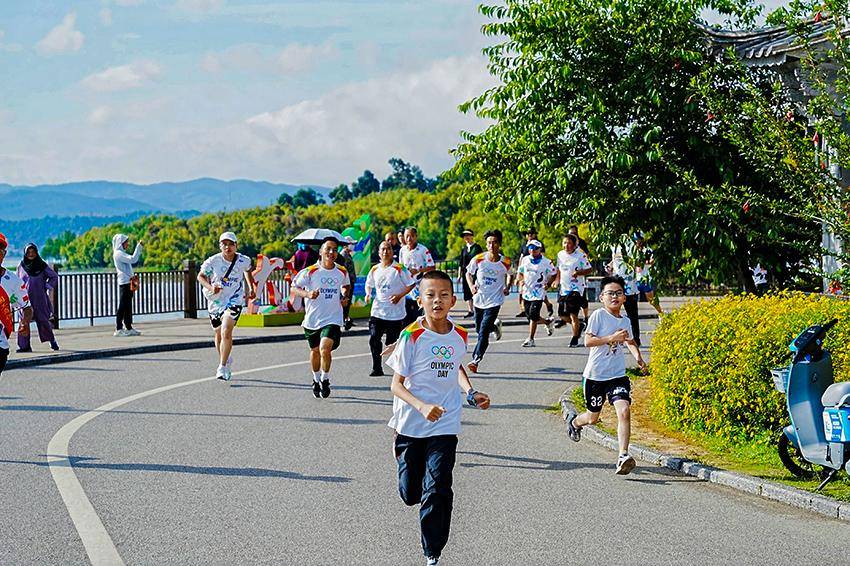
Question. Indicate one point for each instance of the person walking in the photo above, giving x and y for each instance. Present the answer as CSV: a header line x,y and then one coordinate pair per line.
x,y
13,296
41,282
391,282
127,282
489,277
418,261
535,276
469,250
324,287
221,277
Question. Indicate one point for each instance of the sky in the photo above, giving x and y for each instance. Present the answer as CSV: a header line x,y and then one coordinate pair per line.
x,y
304,92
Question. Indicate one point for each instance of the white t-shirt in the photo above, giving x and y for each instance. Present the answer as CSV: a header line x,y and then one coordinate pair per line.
x,y
232,293
490,278
621,269
326,308
535,277
430,363
13,296
608,361
417,258
388,281
568,264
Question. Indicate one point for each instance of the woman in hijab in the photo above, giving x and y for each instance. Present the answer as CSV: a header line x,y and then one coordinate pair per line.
x,y
41,282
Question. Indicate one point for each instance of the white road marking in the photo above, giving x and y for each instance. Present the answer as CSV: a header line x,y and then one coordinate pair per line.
x,y
99,546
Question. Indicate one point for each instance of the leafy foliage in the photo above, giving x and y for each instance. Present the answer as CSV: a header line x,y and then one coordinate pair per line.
x,y
711,360
597,120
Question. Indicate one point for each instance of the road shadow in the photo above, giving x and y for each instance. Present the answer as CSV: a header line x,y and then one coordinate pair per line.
x,y
507,376
60,367
90,463
520,406
305,385
522,463
361,401
10,398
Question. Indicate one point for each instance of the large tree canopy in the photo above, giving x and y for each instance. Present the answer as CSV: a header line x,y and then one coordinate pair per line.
x,y
598,118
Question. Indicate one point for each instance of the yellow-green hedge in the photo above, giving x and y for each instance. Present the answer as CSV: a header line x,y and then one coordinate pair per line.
x,y
711,360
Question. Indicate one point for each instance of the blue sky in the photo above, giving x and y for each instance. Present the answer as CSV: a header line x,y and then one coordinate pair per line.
x,y
288,91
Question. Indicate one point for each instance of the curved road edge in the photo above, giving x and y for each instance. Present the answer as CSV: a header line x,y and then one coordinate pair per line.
x,y
767,489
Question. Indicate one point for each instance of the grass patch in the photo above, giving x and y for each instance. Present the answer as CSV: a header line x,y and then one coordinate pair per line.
x,y
758,458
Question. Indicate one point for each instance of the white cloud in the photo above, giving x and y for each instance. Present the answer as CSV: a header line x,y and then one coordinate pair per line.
x,y
62,38
202,6
106,17
100,115
251,57
123,77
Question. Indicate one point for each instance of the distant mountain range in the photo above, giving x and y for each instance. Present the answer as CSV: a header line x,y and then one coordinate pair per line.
x,y
108,198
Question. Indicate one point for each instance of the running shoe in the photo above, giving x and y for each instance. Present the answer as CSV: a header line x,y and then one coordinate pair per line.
x,y
120,333
376,373
317,389
560,323
625,464
227,374
573,431
498,329
326,388
550,326
472,366
23,350
219,373
132,332
520,314
574,342
54,346
432,560
348,324
529,343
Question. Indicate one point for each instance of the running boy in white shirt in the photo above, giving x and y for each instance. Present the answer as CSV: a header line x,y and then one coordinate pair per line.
x,y
573,265
489,278
391,282
324,287
221,277
427,409
535,275
607,333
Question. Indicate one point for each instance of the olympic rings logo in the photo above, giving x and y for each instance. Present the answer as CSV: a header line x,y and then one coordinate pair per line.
x,y
489,271
328,281
445,352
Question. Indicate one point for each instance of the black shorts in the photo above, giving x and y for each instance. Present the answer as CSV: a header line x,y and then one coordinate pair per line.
x,y
314,337
570,304
596,391
532,309
233,312
467,292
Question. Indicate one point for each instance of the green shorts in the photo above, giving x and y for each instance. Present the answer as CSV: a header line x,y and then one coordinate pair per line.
x,y
332,331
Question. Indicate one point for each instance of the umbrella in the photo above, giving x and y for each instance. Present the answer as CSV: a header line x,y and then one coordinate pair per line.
x,y
317,236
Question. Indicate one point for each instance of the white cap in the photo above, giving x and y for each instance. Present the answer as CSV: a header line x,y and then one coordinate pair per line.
x,y
534,244
227,236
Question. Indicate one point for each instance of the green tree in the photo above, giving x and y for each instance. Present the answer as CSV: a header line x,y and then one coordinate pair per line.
x,y
365,184
340,194
408,176
306,197
597,120
285,199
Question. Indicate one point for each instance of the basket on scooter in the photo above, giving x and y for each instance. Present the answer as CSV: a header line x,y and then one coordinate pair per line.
x,y
780,378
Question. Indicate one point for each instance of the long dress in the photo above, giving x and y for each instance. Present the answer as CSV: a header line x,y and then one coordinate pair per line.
x,y
42,309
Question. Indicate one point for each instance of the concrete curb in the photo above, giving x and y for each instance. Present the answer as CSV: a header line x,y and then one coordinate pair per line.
x,y
767,489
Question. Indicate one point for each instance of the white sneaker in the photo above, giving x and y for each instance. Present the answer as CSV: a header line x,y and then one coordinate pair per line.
x,y
120,333
220,372
132,332
529,343
550,326
498,329
625,464
227,374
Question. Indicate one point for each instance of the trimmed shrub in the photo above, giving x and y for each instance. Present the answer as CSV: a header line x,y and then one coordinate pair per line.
x,y
711,360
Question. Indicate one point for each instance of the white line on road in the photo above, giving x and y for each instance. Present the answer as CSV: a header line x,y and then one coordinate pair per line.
x,y
97,542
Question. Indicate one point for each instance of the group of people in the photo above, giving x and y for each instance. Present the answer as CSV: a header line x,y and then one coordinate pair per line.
x,y
410,321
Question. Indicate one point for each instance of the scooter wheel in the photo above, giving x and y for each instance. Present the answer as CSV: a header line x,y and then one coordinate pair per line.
x,y
793,460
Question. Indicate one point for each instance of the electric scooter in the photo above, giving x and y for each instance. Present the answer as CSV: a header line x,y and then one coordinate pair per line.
x,y
819,433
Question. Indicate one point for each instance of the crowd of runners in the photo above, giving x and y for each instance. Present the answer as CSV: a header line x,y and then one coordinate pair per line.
x,y
410,325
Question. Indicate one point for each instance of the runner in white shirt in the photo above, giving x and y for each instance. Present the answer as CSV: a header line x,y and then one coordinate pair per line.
x,y
427,410
13,296
489,278
324,287
573,265
221,277
418,261
535,275
608,336
391,282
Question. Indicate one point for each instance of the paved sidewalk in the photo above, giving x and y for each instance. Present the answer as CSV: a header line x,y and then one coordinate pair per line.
x,y
196,333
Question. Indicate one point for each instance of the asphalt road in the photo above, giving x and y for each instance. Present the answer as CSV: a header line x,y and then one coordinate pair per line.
x,y
258,471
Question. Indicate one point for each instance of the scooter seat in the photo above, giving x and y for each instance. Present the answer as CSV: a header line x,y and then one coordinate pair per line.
x,y
836,395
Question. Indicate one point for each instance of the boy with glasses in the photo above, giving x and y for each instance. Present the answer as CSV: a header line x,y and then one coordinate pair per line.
x,y
608,335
